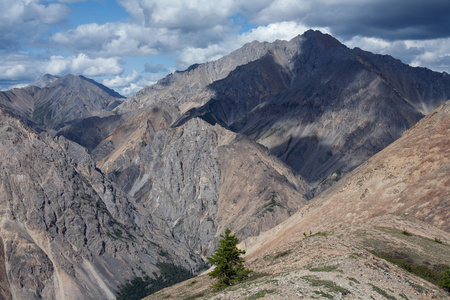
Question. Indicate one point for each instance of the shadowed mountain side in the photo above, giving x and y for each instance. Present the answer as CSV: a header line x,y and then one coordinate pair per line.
x,y
319,106
242,90
189,88
90,132
329,109
411,176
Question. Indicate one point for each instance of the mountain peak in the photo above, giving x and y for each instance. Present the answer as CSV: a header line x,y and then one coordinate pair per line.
x,y
326,41
45,80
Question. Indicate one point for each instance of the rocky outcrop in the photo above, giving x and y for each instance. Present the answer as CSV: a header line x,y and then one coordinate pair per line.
x,y
67,232
197,179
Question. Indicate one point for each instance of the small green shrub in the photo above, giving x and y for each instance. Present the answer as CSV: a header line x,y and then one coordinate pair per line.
x,y
260,294
445,280
353,279
382,292
281,254
323,294
324,268
193,282
406,232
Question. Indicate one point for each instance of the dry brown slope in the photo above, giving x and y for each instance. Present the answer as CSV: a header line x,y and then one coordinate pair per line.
x,y
411,176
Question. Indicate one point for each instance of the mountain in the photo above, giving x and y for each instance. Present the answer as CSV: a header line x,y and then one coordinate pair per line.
x,y
356,239
97,190
297,97
51,100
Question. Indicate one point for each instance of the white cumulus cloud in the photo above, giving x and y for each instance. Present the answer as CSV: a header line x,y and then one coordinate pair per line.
x,y
23,22
121,81
23,67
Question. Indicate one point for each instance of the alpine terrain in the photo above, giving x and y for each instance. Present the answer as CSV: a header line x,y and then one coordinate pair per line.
x,y
326,162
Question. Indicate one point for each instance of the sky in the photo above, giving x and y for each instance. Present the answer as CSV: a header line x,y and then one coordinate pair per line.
x,y
129,44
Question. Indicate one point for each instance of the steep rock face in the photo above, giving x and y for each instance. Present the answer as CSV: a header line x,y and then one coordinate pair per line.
x,y
319,106
20,100
5,289
67,232
135,131
197,179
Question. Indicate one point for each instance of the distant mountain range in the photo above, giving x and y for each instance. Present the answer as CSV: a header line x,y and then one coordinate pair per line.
x,y
97,189
51,100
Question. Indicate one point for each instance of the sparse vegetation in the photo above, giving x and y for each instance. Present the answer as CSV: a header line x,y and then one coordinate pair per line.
x,y
318,234
382,292
403,296
260,294
445,280
324,268
434,274
332,286
195,296
353,279
438,240
270,207
193,282
281,254
323,294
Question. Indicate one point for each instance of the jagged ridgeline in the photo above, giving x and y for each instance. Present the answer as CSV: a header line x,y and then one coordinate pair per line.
x,y
98,191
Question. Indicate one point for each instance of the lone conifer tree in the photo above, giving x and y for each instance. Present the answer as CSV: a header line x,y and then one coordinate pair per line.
x,y
228,261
